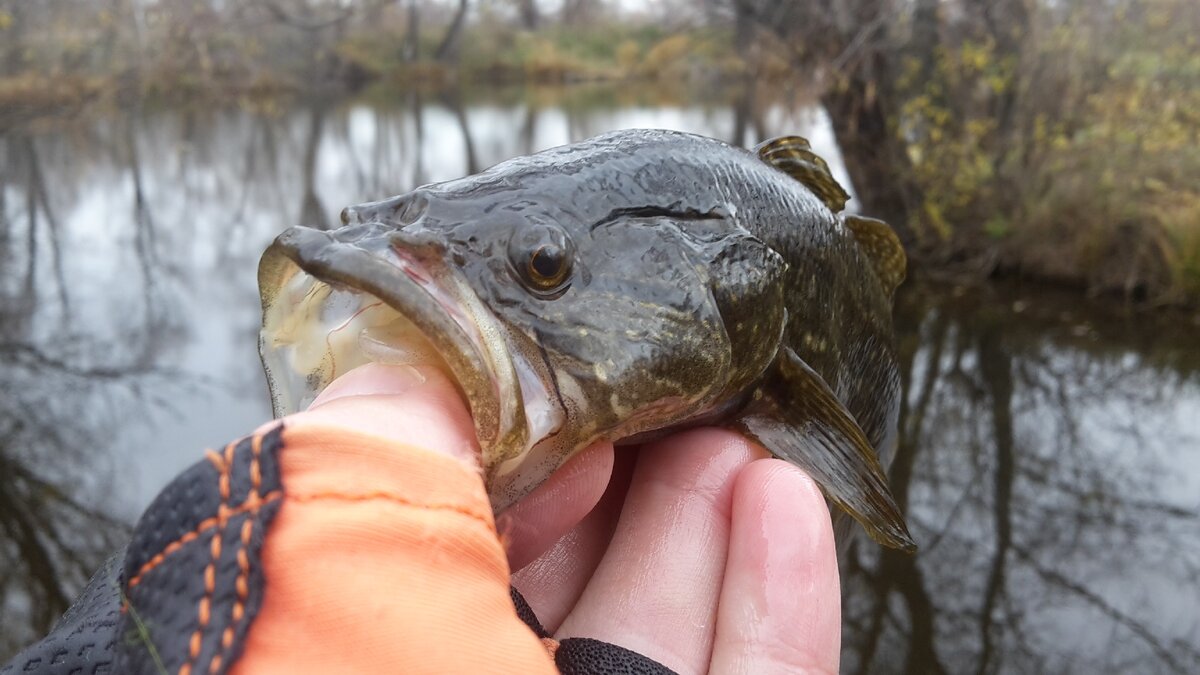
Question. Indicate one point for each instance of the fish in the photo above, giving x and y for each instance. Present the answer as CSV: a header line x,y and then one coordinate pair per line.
x,y
619,288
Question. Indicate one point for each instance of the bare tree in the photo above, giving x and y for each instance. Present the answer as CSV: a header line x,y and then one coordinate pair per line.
x,y
412,34
447,50
528,11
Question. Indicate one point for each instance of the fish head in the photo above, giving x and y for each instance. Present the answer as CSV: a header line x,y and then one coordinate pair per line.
x,y
560,327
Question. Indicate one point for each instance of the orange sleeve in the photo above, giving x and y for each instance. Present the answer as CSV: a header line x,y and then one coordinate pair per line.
x,y
383,557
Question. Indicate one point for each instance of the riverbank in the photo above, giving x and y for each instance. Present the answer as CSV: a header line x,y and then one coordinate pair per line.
x,y
1061,255
636,55
1067,158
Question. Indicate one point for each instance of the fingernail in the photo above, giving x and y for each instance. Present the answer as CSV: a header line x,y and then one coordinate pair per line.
x,y
372,379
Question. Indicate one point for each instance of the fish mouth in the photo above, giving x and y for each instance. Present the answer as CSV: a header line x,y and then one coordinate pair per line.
x,y
333,301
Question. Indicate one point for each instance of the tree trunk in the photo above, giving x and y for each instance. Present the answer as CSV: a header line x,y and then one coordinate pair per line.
x,y
874,156
743,29
529,14
853,37
1007,21
447,51
925,37
412,34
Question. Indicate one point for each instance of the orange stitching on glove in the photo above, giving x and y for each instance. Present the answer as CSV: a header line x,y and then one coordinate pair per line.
x,y
396,499
252,505
223,481
255,469
202,611
214,459
242,585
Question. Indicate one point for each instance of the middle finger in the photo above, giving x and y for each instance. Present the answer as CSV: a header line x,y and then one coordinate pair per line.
x,y
656,589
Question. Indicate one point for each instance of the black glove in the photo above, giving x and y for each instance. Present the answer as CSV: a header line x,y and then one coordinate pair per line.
x,y
585,656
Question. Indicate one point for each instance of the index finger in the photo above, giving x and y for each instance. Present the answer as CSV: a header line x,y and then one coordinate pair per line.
x,y
780,606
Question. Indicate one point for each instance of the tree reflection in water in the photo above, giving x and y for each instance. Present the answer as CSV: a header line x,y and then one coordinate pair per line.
x,y
1048,458
62,393
1052,488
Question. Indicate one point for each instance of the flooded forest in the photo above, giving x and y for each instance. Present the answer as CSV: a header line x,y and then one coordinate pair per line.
x,y
1036,157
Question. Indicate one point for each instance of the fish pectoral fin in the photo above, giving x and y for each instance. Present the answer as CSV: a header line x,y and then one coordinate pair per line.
x,y
793,155
798,418
883,248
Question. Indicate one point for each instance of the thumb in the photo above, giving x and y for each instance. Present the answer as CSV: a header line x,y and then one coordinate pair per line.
x,y
417,405
420,406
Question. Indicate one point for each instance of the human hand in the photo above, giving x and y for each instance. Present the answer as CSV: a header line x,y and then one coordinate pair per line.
x,y
336,543
696,551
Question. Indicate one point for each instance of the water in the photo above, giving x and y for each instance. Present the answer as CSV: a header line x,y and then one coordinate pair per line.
x,y
1049,460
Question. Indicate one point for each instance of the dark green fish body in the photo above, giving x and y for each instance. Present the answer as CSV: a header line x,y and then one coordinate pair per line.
x,y
615,289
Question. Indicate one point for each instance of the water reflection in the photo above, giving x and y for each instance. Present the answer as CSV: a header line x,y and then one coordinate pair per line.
x,y
1048,457
1051,478
61,392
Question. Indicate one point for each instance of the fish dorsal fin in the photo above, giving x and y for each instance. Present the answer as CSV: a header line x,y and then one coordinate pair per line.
x,y
882,247
794,156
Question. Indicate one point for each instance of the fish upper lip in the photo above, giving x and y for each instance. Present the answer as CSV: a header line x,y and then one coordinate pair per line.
x,y
417,294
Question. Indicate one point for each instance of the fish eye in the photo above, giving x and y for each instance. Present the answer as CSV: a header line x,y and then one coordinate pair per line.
x,y
548,264
543,258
